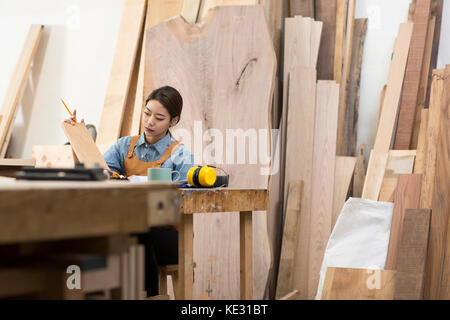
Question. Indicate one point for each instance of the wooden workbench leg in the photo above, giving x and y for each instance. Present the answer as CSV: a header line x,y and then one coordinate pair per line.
x,y
246,238
185,258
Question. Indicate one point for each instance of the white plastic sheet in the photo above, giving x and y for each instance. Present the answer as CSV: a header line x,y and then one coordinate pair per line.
x,y
360,237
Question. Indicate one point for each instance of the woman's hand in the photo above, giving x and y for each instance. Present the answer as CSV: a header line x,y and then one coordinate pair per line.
x,y
73,118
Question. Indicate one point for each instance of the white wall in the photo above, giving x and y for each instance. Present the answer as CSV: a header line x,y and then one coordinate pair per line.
x,y
75,57
73,62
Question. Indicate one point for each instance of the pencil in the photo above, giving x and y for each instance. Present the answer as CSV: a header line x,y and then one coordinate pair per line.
x,y
68,109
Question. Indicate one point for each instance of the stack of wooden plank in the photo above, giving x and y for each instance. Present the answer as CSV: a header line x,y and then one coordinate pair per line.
x,y
319,160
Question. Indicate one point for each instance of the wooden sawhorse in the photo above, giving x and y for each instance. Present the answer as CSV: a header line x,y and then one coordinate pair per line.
x,y
192,201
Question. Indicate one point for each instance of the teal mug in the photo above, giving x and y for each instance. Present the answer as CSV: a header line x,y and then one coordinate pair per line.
x,y
161,175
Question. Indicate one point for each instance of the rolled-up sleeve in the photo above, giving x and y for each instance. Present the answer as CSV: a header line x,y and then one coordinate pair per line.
x,y
182,160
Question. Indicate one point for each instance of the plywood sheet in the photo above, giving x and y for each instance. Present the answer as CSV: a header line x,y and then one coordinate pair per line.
x,y
358,284
218,73
327,104
83,145
121,73
17,83
412,255
407,196
378,158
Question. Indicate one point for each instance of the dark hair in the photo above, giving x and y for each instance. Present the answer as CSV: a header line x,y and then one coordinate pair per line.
x,y
170,98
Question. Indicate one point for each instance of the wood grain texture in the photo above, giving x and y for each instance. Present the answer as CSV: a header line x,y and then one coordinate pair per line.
x,y
358,284
382,96
411,84
83,145
326,12
246,255
345,168
412,255
401,161
360,172
438,278
350,130
327,104
343,84
130,31
422,143
304,8
290,239
378,158
407,196
218,73
422,96
206,5
341,18
432,139
17,83
388,187
302,107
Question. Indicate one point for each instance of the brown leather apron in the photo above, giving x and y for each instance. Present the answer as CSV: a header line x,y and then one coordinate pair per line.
x,y
135,167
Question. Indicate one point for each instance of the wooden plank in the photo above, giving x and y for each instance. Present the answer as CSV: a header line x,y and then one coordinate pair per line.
x,y
17,83
382,96
83,145
406,118
290,239
360,172
350,130
401,161
358,284
190,10
326,12
17,162
121,73
209,4
341,145
304,8
432,138
54,157
378,158
246,255
422,143
388,187
302,107
341,18
422,96
407,196
327,104
411,11
186,258
438,278
412,255
345,168
211,101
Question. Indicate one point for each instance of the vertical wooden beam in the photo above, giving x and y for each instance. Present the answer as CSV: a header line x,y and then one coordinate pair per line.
x,y
341,18
246,254
185,258
411,84
422,143
326,12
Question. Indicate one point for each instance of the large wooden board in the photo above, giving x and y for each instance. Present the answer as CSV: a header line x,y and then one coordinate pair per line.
x,y
326,12
220,75
358,284
438,277
83,145
54,157
412,255
327,104
378,158
432,139
407,196
299,160
290,239
121,73
17,83
411,84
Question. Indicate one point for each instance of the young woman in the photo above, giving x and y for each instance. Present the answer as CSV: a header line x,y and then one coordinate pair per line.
x,y
154,148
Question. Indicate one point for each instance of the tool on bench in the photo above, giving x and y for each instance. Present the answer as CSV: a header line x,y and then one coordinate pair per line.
x,y
206,177
79,173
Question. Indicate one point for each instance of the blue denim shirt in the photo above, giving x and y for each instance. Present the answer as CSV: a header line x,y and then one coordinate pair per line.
x,y
181,160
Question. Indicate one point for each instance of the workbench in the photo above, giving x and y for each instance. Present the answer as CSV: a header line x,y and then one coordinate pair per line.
x,y
55,211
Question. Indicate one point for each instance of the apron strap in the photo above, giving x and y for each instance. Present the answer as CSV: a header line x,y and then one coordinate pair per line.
x,y
133,142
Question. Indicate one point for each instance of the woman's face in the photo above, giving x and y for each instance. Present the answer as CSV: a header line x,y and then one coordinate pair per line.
x,y
155,120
